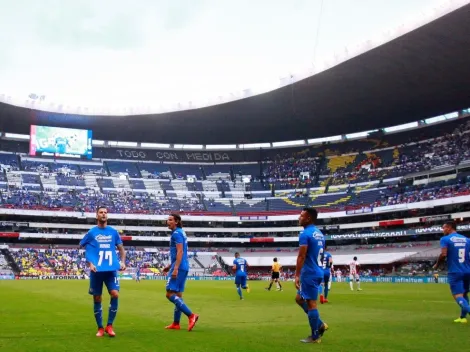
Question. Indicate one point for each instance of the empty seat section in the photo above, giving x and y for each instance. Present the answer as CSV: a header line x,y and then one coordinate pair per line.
x,y
154,170
70,181
121,167
181,171
285,204
216,172
218,205
36,166
249,205
9,161
137,184
252,170
92,169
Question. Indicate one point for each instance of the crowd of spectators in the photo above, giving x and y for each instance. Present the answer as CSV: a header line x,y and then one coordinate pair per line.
x,y
32,261
127,202
421,194
302,170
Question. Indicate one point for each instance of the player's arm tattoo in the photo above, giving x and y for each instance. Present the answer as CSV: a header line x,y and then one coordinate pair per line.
x,y
122,252
301,259
442,257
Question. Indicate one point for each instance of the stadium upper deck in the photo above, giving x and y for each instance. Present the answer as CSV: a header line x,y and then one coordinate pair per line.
x,y
283,185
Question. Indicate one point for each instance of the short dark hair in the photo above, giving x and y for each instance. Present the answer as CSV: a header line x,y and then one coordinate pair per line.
x,y
452,224
101,207
236,253
312,212
355,258
275,260
177,218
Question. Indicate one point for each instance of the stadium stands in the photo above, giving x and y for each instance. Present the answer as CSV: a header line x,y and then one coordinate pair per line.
x,y
4,266
34,261
330,177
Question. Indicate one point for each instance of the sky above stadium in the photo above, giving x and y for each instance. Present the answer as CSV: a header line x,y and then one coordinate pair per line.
x,y
151,52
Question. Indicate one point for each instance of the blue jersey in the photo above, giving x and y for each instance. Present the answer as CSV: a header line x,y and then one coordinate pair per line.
x,y
61,143
100,248
458,252
315,242
178,236
326,261
241,265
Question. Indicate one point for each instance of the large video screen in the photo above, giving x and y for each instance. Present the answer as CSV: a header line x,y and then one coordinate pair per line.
x,y
60,142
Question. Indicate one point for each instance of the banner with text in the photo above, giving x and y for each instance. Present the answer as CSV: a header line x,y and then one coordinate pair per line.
x,y
400,279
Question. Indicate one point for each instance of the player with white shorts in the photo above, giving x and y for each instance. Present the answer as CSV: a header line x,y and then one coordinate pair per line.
x,y
338,275
354,274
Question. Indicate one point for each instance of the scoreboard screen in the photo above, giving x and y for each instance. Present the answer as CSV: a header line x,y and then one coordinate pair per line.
x,y
60,142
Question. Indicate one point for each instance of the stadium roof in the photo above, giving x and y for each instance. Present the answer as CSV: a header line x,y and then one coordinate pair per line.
x,y
421,74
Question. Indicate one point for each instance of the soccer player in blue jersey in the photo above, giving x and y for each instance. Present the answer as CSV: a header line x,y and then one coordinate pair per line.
x,y
456,248
178,272
61,144
239,266
309,272
137,274
100,245
327,269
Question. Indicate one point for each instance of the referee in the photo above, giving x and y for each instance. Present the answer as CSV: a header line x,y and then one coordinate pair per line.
x,y
276,271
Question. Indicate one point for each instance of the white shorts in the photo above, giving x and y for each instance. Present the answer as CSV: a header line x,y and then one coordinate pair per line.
x,y
354,277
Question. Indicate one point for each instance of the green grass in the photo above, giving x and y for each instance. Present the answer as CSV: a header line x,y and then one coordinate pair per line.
x,y
58,316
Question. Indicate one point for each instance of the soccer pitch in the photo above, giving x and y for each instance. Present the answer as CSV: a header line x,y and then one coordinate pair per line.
x,y
58,316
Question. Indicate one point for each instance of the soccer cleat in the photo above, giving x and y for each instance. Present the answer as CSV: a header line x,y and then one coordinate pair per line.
x,y
247,290
322,299
359,289
193,318
109,330
323,328
267,289
310,340
325,301
173,326
242,299
461,320
100,332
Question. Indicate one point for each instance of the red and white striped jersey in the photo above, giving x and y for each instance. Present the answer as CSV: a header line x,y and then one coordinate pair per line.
x,y
353,267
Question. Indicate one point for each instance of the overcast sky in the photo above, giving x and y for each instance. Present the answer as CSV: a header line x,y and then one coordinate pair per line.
x,y
151,52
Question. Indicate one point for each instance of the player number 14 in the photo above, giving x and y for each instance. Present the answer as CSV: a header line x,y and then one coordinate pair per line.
x,y
106,255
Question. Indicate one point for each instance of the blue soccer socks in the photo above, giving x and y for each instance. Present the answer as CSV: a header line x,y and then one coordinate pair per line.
x,y
98,311
179,303
463,303
314,321
113,308
239,290
176,315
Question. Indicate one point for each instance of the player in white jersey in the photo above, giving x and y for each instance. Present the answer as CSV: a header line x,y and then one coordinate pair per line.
x,y
354,274
338,275
332,275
